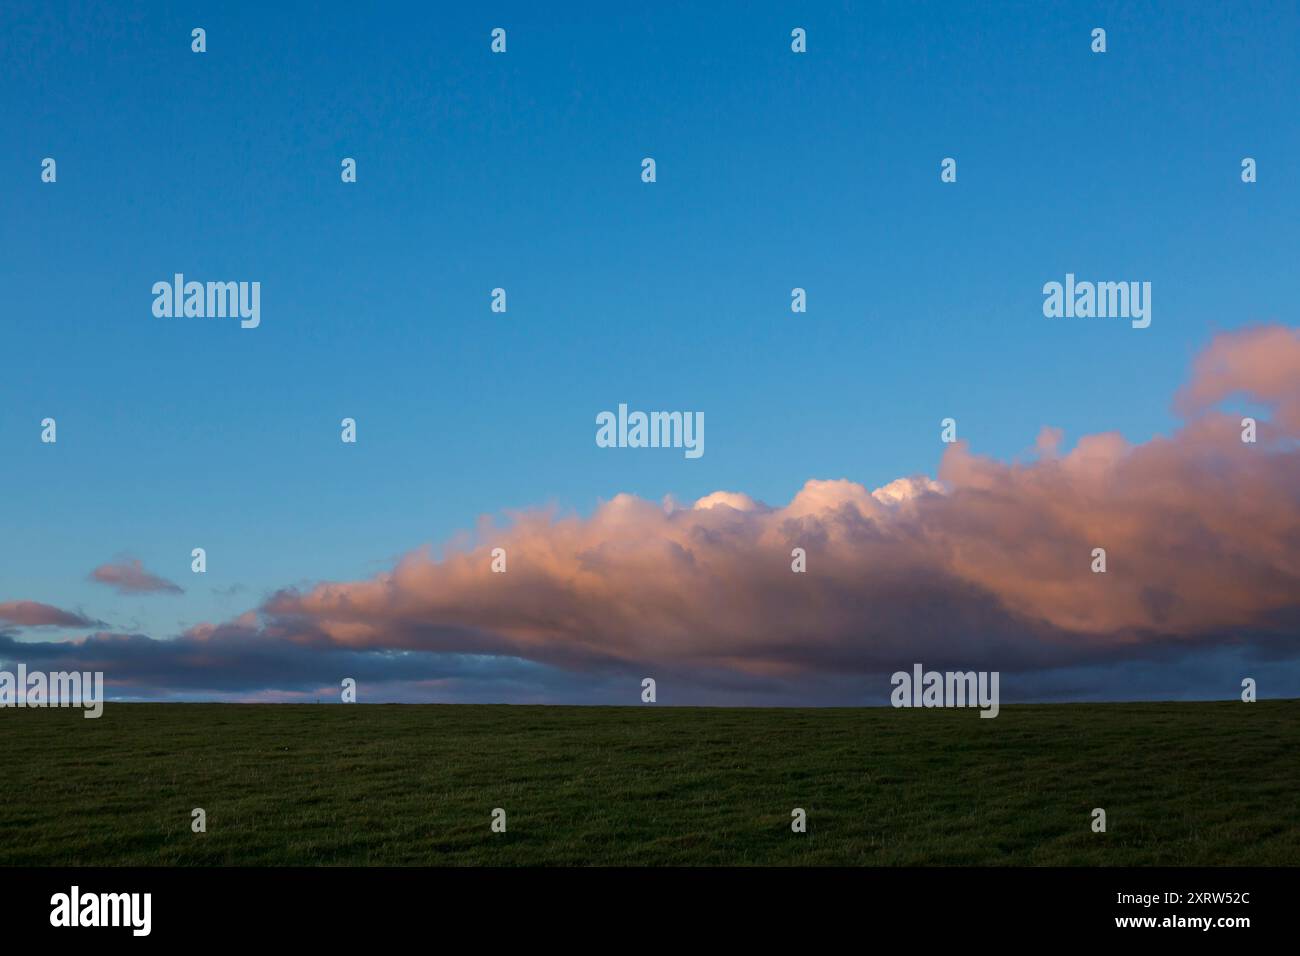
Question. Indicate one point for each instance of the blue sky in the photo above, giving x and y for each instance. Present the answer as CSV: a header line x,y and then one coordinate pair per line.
x,y
775,170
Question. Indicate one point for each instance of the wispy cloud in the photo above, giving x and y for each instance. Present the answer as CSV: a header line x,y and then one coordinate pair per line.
x,y
128,576
35,614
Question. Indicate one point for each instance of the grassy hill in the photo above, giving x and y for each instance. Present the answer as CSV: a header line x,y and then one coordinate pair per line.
x,y
1186,783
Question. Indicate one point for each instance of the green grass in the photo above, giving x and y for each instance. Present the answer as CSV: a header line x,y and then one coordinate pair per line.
x,y
1182,784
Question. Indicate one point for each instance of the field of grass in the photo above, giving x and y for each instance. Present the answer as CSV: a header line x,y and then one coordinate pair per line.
x,y
1197,783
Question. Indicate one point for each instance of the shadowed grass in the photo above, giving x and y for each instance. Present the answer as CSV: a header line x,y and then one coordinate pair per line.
x,y
1182,784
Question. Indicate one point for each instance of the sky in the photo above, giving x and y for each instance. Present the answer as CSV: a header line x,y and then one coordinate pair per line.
x,y
476,429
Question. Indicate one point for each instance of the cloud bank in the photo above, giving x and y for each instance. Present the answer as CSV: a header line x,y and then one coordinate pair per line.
x,y
989,567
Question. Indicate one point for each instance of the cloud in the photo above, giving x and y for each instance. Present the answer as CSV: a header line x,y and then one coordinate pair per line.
x,y
34,614
989,567
1259,361
128,576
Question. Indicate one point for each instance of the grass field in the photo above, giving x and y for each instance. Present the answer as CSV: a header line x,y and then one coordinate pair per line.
x,y
1198,783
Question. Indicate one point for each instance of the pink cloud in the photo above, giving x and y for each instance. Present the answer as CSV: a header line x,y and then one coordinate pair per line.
x,y
34,614
1259,361
1201,530
128,576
